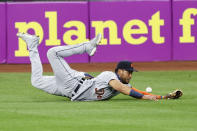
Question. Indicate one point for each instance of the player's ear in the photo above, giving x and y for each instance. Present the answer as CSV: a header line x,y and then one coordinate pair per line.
x,y
119,71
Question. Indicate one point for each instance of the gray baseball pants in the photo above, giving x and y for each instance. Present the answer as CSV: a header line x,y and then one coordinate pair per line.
x,y
65,79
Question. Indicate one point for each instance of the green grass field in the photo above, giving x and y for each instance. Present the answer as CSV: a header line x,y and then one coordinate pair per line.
x,y
25,108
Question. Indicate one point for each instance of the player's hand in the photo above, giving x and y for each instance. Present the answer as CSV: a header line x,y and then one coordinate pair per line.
x,y
150,97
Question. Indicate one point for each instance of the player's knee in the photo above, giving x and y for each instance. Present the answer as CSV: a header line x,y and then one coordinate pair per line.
x,y
34,83
51,52
39,85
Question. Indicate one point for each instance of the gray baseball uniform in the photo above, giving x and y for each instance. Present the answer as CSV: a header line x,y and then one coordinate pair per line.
x,y
68,82
98,88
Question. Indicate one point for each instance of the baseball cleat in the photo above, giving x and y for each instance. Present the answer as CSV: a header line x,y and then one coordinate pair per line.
x,y
32,41
93,44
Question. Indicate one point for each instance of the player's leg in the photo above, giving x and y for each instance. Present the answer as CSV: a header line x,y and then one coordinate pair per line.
x,y
65,76
69,50
56,56
45,83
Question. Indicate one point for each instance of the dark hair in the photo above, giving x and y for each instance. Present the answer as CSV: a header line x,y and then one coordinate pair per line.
x,y
116,70
125,65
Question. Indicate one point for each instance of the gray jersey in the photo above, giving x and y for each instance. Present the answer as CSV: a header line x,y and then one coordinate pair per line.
x,y
99,89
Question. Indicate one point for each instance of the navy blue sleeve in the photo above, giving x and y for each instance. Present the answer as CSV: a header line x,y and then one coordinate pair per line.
x,y
136,94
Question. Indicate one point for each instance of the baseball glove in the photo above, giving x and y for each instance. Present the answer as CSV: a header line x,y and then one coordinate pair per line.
x,y
175,94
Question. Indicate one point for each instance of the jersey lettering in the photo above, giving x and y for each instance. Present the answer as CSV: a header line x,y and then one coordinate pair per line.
x,y
99,93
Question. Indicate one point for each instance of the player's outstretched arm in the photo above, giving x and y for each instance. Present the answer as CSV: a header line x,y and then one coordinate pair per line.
x,y
150,97
117,85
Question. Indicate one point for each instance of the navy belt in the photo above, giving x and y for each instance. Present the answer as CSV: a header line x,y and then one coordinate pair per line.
x,y
79,85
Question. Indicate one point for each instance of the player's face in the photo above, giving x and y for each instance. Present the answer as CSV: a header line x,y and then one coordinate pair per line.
x,y
125,76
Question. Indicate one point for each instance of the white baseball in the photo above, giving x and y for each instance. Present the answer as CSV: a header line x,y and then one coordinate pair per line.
x,y
148,89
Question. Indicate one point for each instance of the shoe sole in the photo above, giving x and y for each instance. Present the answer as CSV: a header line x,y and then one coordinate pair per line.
x,y
19,34
94,49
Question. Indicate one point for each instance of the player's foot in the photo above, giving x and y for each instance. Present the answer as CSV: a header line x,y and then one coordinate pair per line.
x,y
91,47
32,41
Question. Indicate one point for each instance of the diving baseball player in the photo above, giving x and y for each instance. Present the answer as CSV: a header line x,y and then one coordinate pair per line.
x,y
80,86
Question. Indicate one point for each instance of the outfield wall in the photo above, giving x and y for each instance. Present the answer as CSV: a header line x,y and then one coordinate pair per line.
x,y
2,33
184,30
141,30
52,22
